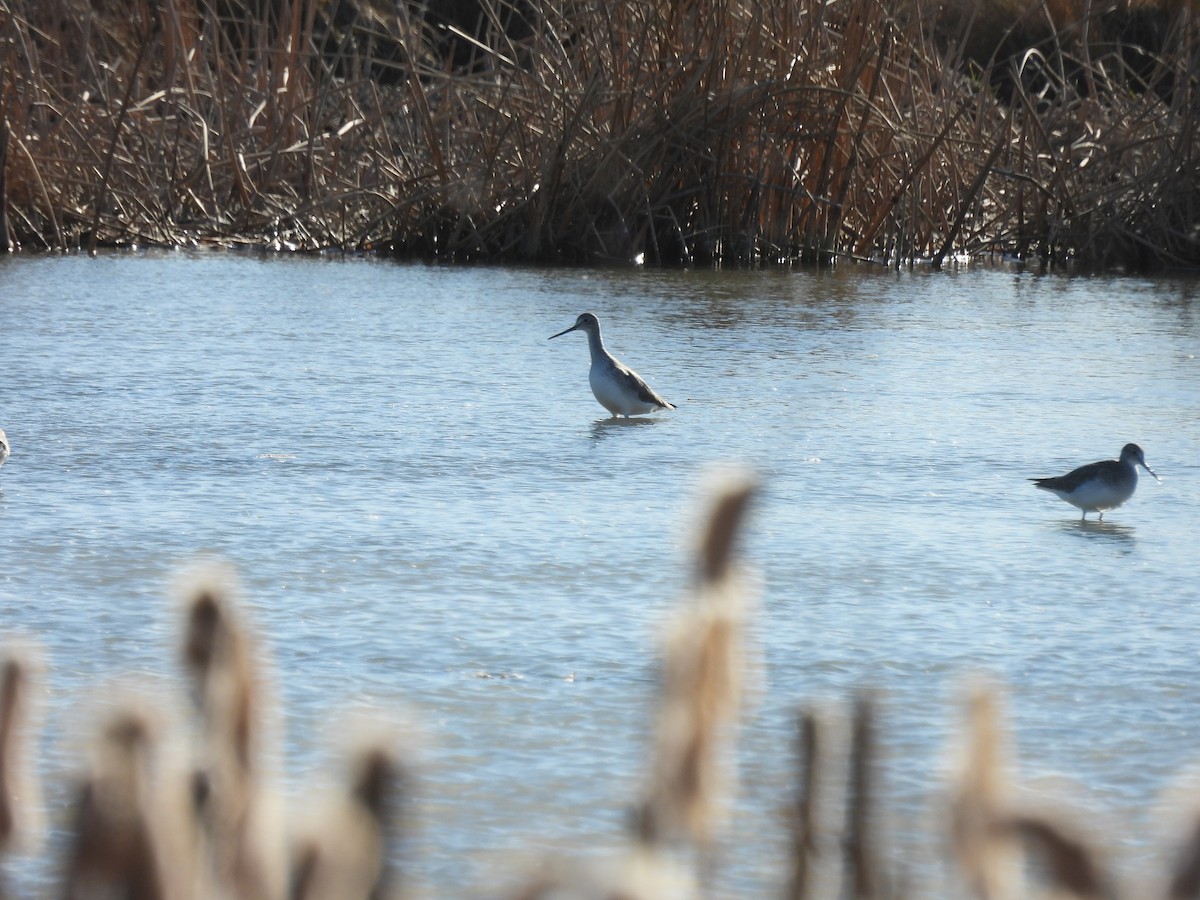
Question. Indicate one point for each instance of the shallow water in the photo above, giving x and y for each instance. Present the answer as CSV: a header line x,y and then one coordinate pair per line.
x,y
433,520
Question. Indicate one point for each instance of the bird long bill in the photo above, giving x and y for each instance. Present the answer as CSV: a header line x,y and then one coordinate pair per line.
x,y
1152,472
561,333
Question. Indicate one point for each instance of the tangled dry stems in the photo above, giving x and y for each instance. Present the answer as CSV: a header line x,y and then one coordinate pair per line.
x,y
711,131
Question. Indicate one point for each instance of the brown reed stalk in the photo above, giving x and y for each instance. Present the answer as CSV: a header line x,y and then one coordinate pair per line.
x,y
1072,865
103,187
714,131
903,184
1001,141
1183,878
11,688
350,854
864,875
233,808
988,824
980,800
5,240
701,686
805,816
18,780
116,832
829,243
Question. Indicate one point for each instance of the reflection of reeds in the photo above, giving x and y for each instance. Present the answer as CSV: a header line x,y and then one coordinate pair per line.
x,y
699,132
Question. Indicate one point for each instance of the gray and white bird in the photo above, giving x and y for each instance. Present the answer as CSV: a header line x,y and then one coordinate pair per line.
x,y
1099,486
4,450
620,390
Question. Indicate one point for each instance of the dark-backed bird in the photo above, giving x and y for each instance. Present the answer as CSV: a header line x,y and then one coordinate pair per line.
x,y
1099,486
3,446
620,390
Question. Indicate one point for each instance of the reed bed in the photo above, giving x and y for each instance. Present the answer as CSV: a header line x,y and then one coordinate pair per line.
x,y
182,803
697,132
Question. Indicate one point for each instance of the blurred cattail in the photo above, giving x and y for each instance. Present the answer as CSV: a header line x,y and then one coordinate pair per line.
x,y
1179,835
19,795
18,782
117,830
702,684
805,815
1071,865
349,852
864,876
232,801
639,875
989,825
1180,816
985,852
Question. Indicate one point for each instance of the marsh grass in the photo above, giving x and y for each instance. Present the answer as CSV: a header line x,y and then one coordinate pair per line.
x,y
719,131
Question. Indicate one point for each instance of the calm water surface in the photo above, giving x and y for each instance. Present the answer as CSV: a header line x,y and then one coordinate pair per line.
x,y
432,518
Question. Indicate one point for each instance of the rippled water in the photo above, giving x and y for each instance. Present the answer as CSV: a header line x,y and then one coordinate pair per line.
x,y
432,517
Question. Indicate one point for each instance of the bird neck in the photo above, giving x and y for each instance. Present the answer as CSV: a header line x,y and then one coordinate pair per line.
x,y
596,345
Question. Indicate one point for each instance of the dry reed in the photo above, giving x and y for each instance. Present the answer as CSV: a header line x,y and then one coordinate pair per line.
x,y
701,687
231,798
116,829
980,795
351,849
147,825
19,794
715,131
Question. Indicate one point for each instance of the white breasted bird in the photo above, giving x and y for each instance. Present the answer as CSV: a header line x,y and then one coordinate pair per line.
x,y
1099,486
619,389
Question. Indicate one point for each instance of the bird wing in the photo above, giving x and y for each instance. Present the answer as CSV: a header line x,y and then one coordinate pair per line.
x,y
644,392
1098,470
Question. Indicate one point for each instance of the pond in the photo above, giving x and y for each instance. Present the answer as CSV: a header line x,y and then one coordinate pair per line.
x,y
435,523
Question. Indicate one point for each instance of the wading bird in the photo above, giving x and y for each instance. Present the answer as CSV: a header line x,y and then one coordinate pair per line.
x,y
619,389
1099,486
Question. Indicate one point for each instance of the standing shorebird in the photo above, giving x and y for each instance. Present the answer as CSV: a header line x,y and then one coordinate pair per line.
x,y
1099,486
3,446
619,389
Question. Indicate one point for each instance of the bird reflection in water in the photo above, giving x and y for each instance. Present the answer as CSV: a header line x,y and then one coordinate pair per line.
x,y
604,428
1123,536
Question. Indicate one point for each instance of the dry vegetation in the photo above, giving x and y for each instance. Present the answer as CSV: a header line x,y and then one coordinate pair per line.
x,y
167,810
695,131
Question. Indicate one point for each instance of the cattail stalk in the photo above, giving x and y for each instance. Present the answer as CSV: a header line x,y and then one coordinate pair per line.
x,y
350,853
805,818
863,873
231,795
985,853
117,827
702,683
